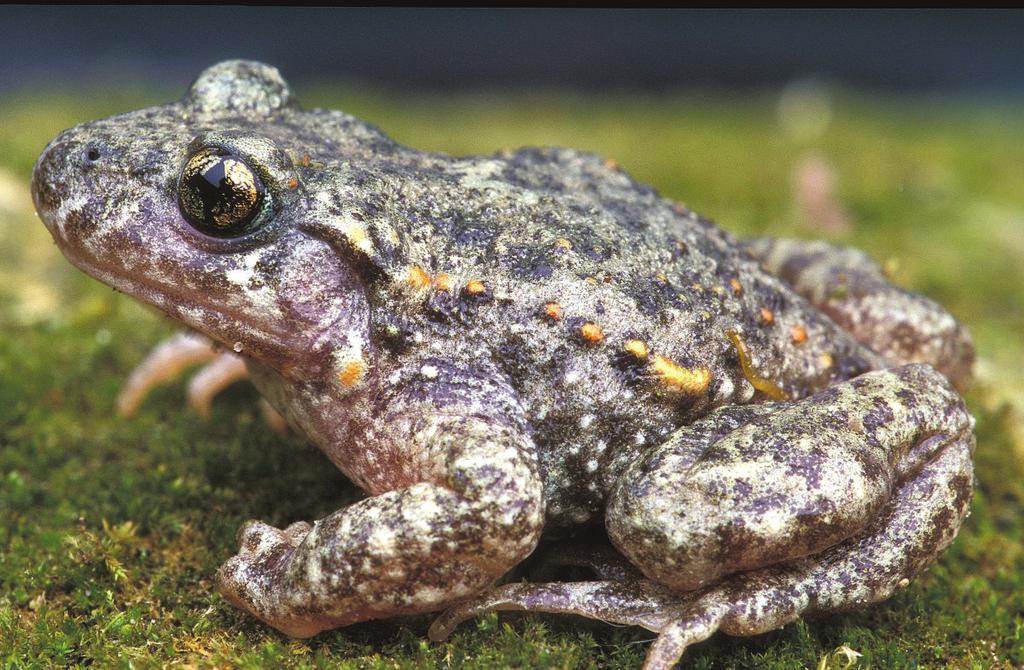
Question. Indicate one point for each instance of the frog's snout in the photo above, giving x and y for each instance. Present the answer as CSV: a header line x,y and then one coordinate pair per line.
x,y
58,175
48,189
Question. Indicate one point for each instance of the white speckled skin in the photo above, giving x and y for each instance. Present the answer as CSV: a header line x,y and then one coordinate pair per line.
x,y
498,347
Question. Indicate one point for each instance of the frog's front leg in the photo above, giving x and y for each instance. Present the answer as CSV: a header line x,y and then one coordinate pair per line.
x,y
165,363
468,506
851,289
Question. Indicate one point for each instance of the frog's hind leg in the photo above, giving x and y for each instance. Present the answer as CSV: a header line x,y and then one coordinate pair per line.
x,y
851,289
637,602
918,523
745,520
169,360
794,480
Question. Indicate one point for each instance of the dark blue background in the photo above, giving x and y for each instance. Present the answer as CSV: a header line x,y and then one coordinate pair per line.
x,y
958,51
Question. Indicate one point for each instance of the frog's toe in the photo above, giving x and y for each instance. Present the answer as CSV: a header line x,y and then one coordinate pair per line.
x,y
214,377
165,363
296,531
256,537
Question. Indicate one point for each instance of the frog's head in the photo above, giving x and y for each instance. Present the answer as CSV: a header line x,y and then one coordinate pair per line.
x,y
198,208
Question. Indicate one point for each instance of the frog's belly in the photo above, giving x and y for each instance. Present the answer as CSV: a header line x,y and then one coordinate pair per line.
x,y
582,455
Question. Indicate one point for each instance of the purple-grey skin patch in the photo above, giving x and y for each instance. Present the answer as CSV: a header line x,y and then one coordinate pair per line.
x,y
500,347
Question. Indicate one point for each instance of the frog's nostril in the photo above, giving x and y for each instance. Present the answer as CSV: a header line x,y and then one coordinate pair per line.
x,y
92,154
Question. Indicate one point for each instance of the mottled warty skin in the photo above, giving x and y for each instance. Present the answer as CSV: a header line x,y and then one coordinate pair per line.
x,y
498,346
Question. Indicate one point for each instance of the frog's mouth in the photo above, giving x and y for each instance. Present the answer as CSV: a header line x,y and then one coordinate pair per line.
x,y
214,321
230,326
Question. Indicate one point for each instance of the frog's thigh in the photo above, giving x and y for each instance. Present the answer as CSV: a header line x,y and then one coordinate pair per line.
x,y
477,512
788,484
848,286
918,523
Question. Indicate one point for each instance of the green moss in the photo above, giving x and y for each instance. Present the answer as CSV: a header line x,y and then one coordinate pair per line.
x,y
111,529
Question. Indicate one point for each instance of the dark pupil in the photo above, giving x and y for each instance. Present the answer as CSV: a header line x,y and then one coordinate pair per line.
x,y
219,194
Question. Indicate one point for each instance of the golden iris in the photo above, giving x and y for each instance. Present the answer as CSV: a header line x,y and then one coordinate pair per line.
x,y
219,194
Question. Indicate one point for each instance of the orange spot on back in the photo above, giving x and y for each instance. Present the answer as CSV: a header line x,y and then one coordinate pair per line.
x,y
591,332
798,334
417,277
767,316
475,287
442,281
690,381
553,311
611,164
637,348
563,244
293,183
352,373
736,286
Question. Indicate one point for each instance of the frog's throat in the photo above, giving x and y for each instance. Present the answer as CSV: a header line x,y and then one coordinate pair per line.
x,y
266,344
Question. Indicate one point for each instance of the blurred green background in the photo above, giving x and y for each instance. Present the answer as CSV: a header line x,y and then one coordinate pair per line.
x,y
111,529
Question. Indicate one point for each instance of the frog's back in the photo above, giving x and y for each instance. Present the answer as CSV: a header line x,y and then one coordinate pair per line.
x,y
560,243
604,305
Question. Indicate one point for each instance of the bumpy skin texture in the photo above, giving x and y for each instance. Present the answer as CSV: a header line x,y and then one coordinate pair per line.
x,y
848,286
499,346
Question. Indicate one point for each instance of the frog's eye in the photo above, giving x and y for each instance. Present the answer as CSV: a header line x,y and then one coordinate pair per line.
x,y
219,193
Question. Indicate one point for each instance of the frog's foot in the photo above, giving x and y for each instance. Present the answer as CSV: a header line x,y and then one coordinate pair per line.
x,y
169,360
165,363
852,290
263,551
918,523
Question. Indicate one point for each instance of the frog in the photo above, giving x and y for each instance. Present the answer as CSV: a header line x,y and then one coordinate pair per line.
x,y
508,348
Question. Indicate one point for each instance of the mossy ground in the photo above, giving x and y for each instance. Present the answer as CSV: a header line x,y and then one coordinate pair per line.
x,y
111,529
